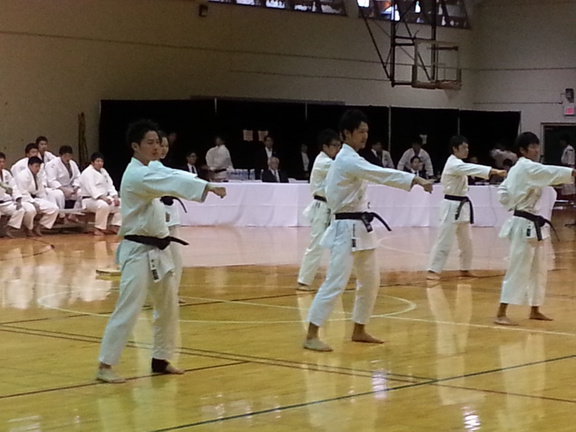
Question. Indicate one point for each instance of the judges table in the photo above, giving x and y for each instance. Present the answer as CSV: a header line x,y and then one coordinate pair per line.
x,y
280,205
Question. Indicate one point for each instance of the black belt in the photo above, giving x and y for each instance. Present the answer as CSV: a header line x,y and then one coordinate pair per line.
x,y
160,243
463,200
169,200
319,198
365,217
539,222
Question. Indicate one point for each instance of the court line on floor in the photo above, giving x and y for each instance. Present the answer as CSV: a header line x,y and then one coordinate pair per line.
x,y
96,383
431,383
292,364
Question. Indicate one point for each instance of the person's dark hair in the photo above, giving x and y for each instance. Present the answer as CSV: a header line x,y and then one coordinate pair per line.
x,y
524,140
507,162
326,136
456,141
416,140
162,135
30,146
414,158
34,160
41,138
190,153
351,120
96,155
65,149
565,138
2,156
137,130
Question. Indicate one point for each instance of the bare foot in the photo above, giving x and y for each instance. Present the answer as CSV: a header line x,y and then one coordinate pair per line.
x,y
432,275
99,233
316,345
9,232
468,273
171,369
37,231
28,232
107,375
366,338
539,316
505,321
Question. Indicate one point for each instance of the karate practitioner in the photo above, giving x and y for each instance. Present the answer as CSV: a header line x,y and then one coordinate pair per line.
x,y
525,280
219,161
30,185
143,254
456,209
318,212
43,153
100,196
172,215
11,202
62,173
350,236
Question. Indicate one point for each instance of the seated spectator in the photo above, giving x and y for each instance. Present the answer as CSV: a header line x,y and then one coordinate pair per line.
x,y
417,167
30,185
506,165
100,196
62,173
304,164
377,155
273,174
475,180
43,153
263,155
55,196
500,153
191,159
11,203
416,150
219,161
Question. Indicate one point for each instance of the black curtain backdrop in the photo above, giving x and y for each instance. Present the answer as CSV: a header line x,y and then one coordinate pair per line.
x,y
192,120
484,129
291,124
439,125
284,121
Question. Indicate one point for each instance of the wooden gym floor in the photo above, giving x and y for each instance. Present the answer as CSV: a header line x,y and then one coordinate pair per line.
x,y
444,367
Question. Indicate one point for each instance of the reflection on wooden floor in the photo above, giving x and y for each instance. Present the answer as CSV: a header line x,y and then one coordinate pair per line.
x,y
445,366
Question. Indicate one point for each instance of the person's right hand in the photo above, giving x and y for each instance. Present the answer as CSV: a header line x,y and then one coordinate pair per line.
x,y
217,190
425,184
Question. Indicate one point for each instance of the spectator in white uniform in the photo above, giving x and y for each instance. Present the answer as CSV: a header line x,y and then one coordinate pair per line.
x,y
43,153
11,203
219,161
100,196
30,185
416,150
62,173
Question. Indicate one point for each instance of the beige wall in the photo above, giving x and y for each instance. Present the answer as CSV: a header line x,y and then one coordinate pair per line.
x,y
60,58
525,58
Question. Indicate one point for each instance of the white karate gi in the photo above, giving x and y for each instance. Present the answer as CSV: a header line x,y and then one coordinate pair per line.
x,y
219,158
319,215
55,196
146,269
58,177
25,213
95,184
455,181
351,245
424,157
173,223
525,280
34,192
568,160
48,157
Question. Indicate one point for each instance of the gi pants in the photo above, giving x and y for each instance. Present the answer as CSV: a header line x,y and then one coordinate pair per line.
x,y
351,248
48,210
176,249
102,210
448,230
26,212
135,284
526,277
319,216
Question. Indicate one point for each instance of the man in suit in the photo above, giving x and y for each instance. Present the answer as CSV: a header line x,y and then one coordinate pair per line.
x,y
273,174
378,156
417,168
191,159
263,156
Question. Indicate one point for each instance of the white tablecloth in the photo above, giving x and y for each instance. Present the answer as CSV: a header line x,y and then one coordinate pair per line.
x,y
281,205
